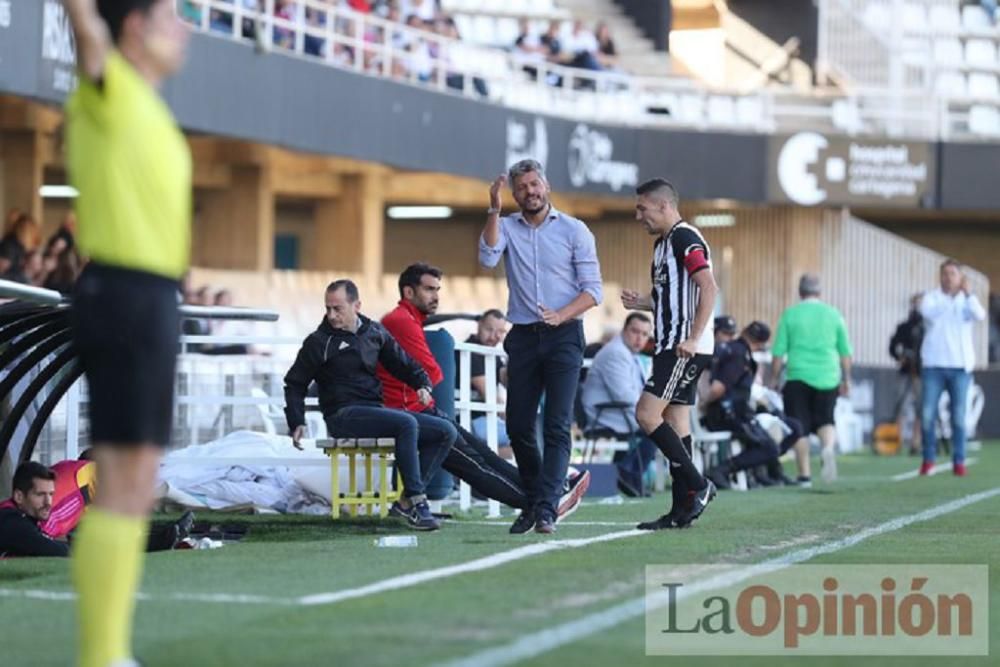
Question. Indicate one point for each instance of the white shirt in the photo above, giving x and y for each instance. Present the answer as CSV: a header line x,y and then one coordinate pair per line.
x,y
948,329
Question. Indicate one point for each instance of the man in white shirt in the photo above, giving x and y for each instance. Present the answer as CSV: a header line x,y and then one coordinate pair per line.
x,y
948,357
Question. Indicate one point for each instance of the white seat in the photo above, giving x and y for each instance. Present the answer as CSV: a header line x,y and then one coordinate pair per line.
x,y
750,111
877,17
975,19
721,110
945,19
981,53
948,51
983,86
914,18
950,84
984,120
483,30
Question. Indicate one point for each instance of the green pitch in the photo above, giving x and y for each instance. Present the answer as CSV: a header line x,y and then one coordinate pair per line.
x,y
307,591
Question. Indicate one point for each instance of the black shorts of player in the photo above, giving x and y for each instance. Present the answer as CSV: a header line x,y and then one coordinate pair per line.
x,y
675,379
812,407
125,328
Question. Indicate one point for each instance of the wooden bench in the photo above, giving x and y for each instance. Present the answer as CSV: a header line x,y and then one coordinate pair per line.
x,y
366,449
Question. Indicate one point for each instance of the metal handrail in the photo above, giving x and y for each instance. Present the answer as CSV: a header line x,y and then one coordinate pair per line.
x,y
12,290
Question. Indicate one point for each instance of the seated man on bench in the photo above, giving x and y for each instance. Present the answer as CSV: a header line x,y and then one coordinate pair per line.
x,y
341,356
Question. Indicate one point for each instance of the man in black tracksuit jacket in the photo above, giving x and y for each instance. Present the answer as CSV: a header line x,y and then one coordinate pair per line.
x,y
341,356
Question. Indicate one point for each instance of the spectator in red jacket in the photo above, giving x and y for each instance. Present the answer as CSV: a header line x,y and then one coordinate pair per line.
x,y
470,459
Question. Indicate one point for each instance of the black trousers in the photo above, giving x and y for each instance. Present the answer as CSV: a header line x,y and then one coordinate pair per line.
x,y
471,460
547,360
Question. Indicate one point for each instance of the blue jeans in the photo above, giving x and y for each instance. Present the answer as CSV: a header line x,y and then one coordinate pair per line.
x,y
956,382
479,428
541,359
422,441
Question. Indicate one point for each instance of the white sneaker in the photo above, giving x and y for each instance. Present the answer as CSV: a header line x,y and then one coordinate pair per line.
x,y
829,459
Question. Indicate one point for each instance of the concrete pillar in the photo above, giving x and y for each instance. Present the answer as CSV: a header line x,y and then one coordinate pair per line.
x,y
234,227
21,155
350,229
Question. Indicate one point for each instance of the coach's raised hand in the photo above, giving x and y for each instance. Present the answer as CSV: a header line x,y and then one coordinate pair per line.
x,y
495,187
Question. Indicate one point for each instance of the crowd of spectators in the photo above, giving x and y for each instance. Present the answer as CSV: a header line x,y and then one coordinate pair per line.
x,y
25,259
582,48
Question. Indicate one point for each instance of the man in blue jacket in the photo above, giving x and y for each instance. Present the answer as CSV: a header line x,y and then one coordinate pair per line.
x,y
341,357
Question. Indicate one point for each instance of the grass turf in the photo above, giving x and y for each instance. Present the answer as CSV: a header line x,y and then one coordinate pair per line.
x,y
287,557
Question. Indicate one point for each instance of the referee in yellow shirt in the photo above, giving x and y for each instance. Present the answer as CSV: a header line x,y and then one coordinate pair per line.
x,y
132,168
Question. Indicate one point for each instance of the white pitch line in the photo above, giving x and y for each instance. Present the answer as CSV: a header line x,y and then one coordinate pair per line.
x,y
506,524
941,467
477,565
386,585
543,641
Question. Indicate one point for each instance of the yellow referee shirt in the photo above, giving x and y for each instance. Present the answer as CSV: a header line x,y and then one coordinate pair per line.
x,y
132,167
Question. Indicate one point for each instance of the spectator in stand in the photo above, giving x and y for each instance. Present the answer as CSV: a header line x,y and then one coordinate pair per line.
x,y
947,357
425,10
313,43
13,215
224,298
529,48
607,55
551,41
904,347
490,332
284,37
446,27
15,247
580,49
418,64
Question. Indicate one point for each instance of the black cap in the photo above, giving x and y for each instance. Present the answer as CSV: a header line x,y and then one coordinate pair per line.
x,y
758,332
725,324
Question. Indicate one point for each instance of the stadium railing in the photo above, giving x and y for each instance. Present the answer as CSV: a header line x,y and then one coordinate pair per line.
x,y
372,45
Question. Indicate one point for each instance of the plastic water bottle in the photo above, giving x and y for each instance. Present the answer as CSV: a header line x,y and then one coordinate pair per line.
x,y
400,541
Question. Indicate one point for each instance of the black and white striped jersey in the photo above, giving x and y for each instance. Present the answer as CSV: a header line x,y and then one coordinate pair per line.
x,y
677,256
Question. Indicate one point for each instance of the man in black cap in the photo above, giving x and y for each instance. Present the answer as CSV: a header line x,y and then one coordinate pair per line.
x,y
725,330
728,409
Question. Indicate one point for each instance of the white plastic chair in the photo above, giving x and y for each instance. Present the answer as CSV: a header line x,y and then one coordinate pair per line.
x,y
980,53
984,120
983,86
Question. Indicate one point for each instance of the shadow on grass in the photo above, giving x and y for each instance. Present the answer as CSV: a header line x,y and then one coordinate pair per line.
x,y
291,527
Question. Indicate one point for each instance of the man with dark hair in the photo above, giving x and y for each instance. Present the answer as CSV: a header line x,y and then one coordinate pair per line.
x,y
21,517
490,331
553,278
733,371
341,357
131,165
812,335
682,300
948,359
470,458
725,329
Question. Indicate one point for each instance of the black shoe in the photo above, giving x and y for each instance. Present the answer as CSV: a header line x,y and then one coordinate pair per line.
x,y
628,487
184,525
524,522
719,477
699,500
546,525
418,516
665,522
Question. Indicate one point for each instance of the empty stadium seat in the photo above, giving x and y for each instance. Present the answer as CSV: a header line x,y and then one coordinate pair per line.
x,y
945,19
950,84
948,51
721,110
984,120
914,18
980,53
983,86
975,19
877,17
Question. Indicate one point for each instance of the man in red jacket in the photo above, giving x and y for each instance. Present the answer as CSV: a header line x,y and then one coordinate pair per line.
x,y
470,459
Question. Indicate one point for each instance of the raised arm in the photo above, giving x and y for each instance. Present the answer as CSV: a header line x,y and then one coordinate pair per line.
x,y
93,40
492,243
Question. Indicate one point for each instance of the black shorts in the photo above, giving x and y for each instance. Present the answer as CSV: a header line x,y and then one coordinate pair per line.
x,y
812,407
125,328
675,379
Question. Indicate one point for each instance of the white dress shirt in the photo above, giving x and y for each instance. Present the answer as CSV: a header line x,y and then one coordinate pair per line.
x,y
948,329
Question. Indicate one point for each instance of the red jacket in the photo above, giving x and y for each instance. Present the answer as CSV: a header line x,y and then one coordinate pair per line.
x,y
406,324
